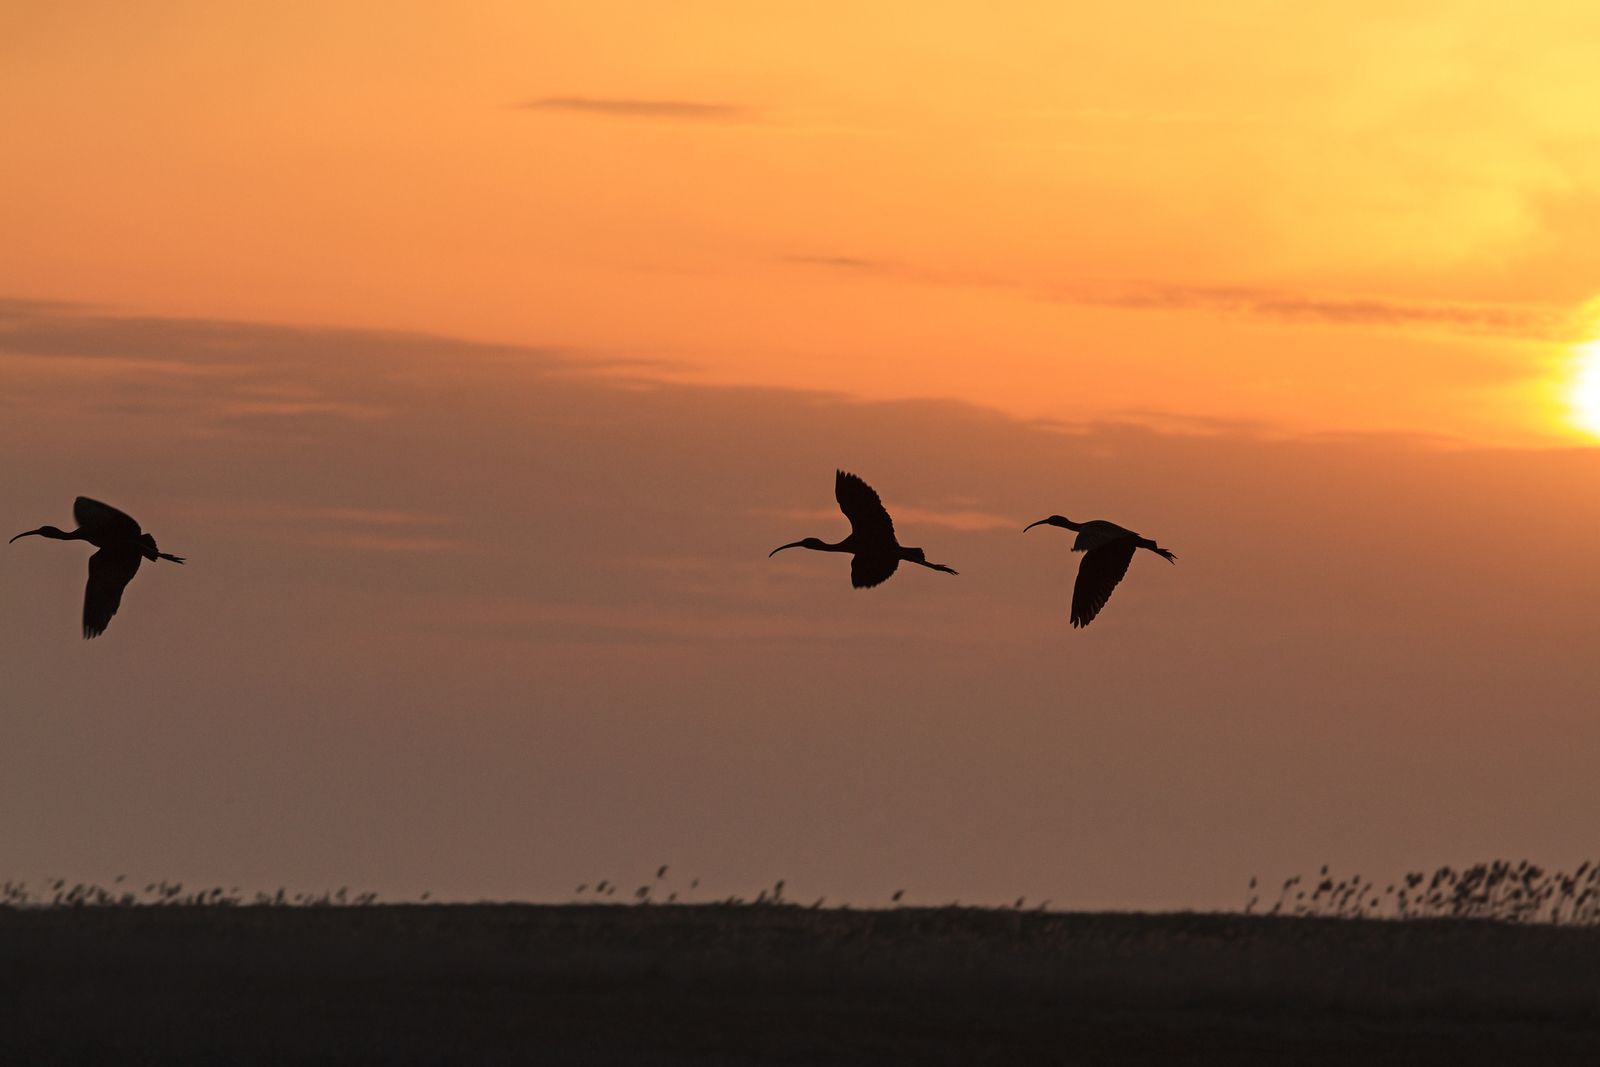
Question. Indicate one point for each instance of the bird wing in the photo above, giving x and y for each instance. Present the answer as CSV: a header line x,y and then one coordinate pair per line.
x,y
867,571
1102,568
110,571
860,504
92,515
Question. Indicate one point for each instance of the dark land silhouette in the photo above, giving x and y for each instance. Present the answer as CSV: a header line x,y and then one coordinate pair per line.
x,y
726,984
875,553
1107,550
122,545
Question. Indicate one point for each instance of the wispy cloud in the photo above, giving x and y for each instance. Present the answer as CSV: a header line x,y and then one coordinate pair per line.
x,y
1522,320
1532,321
633,108
347,527
1151,116
260,512
301,408
966,520
856,263
61,330
969,520
385,543
487,618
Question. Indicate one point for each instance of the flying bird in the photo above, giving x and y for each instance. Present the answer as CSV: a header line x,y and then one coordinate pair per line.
x,y
871,542
122,545
1107,550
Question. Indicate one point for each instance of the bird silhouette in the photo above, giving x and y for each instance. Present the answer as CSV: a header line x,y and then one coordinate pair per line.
x,y
871,542
122,545
1107,550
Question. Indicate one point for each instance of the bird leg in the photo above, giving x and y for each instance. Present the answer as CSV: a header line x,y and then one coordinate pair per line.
x,y
1145,542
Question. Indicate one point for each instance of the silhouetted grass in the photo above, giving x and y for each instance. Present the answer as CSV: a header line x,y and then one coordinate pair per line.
x,y
1490,964
1499,891
56,893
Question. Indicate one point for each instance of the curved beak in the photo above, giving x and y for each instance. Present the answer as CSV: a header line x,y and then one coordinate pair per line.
x,y
25,533
780,548
1031,525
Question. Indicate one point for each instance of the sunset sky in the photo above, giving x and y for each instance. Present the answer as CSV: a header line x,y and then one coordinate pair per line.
x,y
476,357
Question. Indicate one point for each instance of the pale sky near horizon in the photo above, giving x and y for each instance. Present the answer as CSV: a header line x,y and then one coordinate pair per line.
x,y
477,360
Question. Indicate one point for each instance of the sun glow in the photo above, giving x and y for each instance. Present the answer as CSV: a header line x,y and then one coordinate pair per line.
x,y
1584,395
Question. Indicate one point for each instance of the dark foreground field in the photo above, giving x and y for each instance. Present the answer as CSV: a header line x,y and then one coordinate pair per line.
x,y
715,984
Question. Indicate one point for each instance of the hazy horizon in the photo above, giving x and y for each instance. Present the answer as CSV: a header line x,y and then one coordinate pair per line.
x,y
476,362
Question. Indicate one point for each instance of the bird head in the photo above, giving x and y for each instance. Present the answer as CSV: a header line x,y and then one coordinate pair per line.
x,y
43,531
1054,520
809,542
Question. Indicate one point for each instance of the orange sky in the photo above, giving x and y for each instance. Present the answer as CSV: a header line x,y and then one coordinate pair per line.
x,y
1326,218
469,349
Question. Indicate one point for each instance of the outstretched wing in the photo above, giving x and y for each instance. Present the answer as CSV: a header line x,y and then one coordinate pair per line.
x,y
867,571
92,515
110,571
1102,568
860,504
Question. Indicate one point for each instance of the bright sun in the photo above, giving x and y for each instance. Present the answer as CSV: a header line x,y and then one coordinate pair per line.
x,y
1585,389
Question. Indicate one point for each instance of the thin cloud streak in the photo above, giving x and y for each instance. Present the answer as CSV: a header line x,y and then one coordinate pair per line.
x,y
1525,321
297,408
59,330
970,521
631,108
1515,320
1119,115
386,543
249,512
338,527
851,263
683,625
